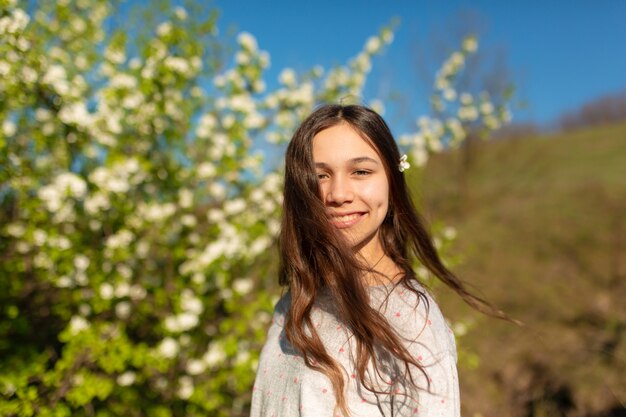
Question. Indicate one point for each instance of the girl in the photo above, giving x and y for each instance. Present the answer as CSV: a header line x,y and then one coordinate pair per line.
x,y
356,334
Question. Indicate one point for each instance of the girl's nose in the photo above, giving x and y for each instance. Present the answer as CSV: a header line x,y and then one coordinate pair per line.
x,y
339,192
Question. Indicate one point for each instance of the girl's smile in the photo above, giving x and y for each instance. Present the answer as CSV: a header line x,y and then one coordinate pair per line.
x,y
344,220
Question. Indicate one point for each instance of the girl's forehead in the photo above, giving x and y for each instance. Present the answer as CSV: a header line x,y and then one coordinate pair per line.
x,y
342,142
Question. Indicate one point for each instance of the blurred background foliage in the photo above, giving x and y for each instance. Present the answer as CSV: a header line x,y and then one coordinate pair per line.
x,y
138,218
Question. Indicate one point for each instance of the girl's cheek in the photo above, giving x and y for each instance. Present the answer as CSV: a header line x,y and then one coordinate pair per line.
x,y
374,190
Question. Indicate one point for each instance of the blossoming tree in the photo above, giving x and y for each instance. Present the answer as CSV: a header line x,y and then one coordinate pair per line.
x,y
137,220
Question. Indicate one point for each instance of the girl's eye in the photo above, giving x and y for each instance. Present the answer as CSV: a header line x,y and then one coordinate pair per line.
x,y
321,176
361,172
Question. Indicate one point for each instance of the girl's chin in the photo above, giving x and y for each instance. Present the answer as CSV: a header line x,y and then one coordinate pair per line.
x,y
363,244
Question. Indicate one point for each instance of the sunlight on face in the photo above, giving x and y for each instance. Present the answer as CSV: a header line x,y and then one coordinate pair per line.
x,y
353,186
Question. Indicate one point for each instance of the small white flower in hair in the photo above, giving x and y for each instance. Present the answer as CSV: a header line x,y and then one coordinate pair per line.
x,y
403,165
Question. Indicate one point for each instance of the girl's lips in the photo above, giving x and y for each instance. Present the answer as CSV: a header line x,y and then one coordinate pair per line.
x,y
346,220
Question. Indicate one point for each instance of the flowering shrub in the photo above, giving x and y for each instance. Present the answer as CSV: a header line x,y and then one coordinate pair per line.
x,y
137,220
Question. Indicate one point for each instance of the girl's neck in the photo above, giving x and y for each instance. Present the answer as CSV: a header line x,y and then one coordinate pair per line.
x,y
383,270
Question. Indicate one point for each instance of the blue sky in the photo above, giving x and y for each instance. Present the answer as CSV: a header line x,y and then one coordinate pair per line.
x,y
560,54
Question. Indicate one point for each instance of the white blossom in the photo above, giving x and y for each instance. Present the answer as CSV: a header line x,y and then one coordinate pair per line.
x,y
133,101
123,81
459,328
155,212
121,239
122,289
227,121
96,202
180,13
198,278
491,122
362,63
373,45
273,226
259,86
5,67
219,80
457,60
188,220
137,292
242,103
16,230
216,216
377,105
206,170
78,324
177,64
243,286
466,99
126,379
164,29
449,232
242,58
254,120
214,355
287,77
185,388
187,321
106,291
122,310
81,262
181,322
55,76
419,156
387,36
9,128
195,367
71,184
234,206
264,59
60,242
64,282
217,190
168,347
468,113
190,303
29,76
486,108
76,113
247,41
449,94
305,94
185,197
84,309
16,23
243,356
456,128
441,83
470,44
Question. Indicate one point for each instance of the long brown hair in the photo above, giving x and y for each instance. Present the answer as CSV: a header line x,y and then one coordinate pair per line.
x,y
315,257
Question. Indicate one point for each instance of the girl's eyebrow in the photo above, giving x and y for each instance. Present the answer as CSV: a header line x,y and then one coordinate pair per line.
x,y
352,161
363,159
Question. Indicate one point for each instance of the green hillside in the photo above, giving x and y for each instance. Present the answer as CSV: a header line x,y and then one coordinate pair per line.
x,y
542,232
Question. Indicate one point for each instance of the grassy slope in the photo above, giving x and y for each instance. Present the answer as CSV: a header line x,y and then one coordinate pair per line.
x,y
542,230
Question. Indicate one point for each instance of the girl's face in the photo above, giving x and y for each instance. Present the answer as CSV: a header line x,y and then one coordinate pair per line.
x,y
353,185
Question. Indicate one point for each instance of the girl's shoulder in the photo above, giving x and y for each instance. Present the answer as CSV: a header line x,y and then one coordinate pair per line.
x,y
410,308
